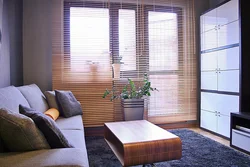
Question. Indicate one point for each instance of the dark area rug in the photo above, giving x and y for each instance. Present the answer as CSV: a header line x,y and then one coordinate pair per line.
x,y
197,151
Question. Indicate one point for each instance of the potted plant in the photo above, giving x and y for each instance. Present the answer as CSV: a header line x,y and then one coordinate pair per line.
x,y
117,66
132,98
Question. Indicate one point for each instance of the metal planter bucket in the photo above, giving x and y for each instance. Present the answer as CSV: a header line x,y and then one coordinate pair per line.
x,y
133,109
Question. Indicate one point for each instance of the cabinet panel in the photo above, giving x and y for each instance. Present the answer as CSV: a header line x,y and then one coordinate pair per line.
x,y
228,12
223,125
227,103
202,24
209,80
228,34
202,41
209,61
208,120
209,20
228,59
210,39
208,101
228,80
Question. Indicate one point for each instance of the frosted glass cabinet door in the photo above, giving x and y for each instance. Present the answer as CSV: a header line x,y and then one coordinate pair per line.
x,y
202,24
202,41
223,125
228,12
228,81
208,101
202,30
209,120
210,39
227,104
210,20
228,59
209,80
209,61
228,34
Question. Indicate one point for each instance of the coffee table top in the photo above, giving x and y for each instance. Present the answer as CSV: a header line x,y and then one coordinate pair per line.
x,y
138,131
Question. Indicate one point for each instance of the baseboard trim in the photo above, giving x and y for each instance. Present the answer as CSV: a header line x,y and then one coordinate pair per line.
x,y
217,134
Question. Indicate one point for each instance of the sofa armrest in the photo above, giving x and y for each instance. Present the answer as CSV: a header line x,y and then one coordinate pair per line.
x,y
70,157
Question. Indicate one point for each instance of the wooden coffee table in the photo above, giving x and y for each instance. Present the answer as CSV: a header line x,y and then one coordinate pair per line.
x,y
141,142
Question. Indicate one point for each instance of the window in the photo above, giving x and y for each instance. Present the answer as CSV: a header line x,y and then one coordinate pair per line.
x,y
127,39
89,39
152,37
163,41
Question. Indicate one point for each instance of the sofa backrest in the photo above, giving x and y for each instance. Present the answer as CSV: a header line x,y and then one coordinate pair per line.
x,y
11,97
35,97
29,95
1,146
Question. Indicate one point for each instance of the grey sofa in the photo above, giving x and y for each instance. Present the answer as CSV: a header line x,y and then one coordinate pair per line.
x,y
31,96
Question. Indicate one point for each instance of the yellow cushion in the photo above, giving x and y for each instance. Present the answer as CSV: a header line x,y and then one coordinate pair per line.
x,y
52,113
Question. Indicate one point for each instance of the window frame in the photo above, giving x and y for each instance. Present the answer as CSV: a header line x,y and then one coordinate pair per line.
x,y
114,33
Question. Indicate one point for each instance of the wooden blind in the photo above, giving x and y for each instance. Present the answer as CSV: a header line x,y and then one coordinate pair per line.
x,y
151,36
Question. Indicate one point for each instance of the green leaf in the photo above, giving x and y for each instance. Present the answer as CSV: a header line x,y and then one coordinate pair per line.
x,y
132,85
106,93
125,89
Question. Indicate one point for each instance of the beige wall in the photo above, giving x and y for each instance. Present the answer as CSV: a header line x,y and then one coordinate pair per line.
x,y
37,45
4,55
11,65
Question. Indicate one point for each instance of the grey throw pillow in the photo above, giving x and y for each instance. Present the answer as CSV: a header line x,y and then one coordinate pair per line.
x,y
19,133
51,99
68,104
48,127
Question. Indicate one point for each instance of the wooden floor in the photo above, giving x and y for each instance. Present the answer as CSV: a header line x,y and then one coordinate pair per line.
x,y
212,136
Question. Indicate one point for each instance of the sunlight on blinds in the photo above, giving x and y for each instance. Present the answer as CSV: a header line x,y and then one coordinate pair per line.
x,y
163,41
127,39
145,36
89,35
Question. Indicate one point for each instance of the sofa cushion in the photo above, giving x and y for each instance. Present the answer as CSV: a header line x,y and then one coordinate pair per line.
x,y
68,104
11,97
51,99
35,97
19,133
66,123
63,157
1,146
48,127
76,137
